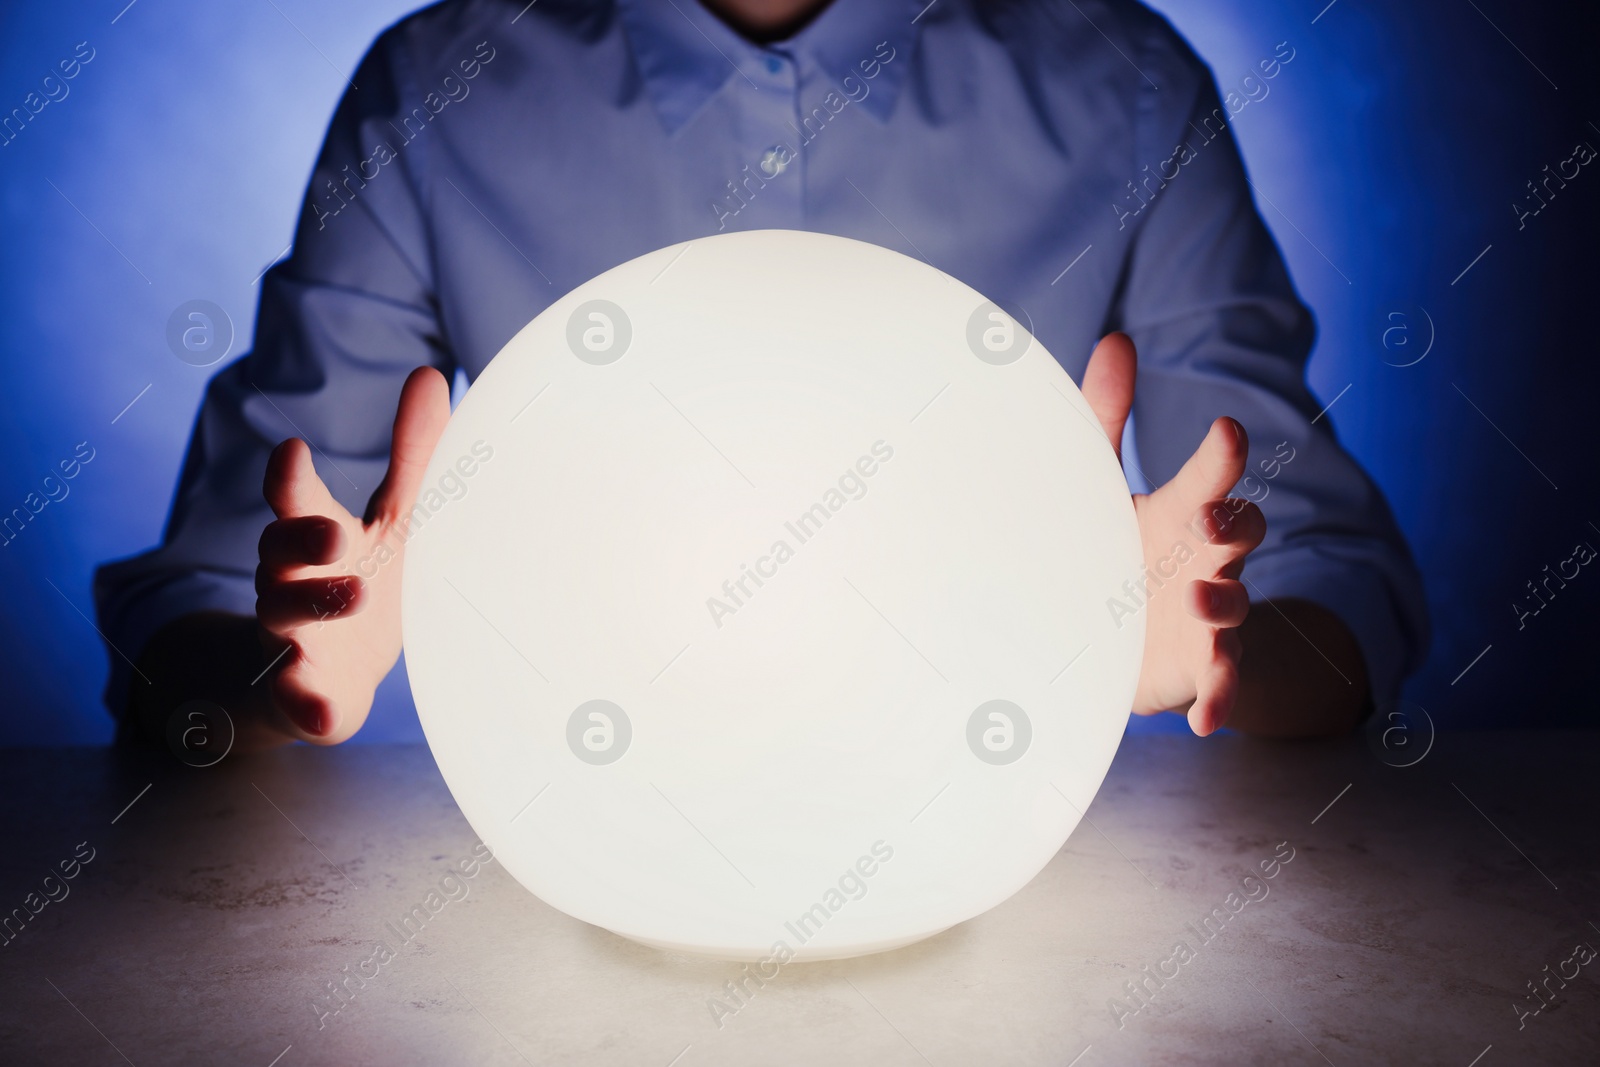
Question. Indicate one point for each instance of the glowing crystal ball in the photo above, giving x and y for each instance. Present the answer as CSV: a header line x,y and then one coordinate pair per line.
x,y
757,605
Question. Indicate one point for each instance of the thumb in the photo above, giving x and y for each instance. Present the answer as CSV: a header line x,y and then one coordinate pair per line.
x,y
1108,384
418,422
1215,466
292,486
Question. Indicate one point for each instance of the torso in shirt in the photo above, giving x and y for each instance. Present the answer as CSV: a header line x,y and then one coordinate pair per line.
x,y
997,142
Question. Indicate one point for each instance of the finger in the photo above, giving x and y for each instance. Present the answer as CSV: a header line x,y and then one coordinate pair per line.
x,y
292,486
418,421
1233,521
1108,384
1217,689
284,605
307,541
1215,466
1218,603
1233,528
306,708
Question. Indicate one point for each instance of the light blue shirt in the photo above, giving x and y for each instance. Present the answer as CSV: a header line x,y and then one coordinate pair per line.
x,y
1073,162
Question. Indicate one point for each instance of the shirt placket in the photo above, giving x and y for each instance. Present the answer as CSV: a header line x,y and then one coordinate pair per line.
x,y
770,181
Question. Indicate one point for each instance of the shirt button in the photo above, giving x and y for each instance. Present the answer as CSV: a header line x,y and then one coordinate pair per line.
x,y
774,64
775,162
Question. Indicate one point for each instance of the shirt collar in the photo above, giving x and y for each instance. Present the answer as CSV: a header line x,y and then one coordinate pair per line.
x,y
686,54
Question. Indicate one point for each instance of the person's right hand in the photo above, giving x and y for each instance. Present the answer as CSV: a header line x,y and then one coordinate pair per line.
x,y
330,634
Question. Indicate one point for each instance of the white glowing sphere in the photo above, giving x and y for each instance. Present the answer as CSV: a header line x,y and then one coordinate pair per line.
x,y
759,598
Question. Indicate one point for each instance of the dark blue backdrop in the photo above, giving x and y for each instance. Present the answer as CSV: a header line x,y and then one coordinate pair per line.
x,y
1389,160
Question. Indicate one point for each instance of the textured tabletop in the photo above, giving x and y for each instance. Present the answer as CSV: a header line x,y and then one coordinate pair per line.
x,y
1438,913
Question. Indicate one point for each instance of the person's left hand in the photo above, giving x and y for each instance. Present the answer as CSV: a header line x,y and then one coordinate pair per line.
x,y
1195,541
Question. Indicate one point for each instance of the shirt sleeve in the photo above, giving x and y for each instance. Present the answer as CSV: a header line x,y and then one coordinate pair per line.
x,y
340,324
1220,331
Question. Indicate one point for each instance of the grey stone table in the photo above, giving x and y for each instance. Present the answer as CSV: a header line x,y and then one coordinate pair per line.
x,y
1423,914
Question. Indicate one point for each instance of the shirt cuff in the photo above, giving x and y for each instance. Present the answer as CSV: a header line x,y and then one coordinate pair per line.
x,y
136,613
1359,594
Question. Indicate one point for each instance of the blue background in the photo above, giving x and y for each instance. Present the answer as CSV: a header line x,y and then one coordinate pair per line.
x,y
1389,155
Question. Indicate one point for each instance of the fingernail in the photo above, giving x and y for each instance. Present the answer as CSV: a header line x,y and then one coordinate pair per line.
x,y
1215,599
317,539
312,720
